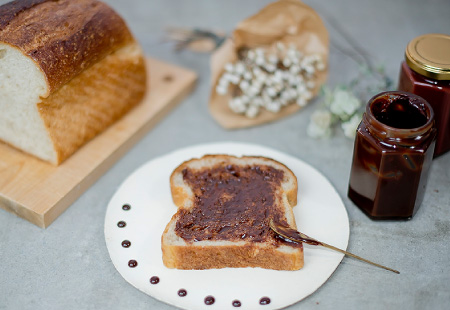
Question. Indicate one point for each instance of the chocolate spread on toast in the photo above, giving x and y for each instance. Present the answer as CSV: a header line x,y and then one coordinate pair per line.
x,y
233,203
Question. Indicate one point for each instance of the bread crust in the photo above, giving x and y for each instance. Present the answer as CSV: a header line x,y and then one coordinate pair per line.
x,y
63,37
230,256
212,254
93,100
95,71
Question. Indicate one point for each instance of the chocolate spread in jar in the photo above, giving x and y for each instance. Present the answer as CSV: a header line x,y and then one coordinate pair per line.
x,y
232,202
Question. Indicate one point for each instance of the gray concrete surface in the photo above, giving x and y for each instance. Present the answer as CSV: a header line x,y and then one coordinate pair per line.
x,y
67,266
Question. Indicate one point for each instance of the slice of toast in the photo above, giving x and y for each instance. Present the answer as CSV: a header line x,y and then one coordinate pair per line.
x,y
224,205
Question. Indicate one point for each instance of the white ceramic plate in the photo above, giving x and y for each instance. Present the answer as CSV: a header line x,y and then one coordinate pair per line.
x,y
320,213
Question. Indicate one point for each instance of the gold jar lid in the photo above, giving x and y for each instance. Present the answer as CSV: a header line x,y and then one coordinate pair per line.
x,y
429,55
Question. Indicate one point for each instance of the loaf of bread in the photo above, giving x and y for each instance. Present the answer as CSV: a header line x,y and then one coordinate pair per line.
x,y
68,70
225,204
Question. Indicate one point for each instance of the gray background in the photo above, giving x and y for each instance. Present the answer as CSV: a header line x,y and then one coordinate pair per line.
x,y
67,266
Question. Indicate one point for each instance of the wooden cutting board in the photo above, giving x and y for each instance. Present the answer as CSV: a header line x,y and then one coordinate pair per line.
x,y
40,192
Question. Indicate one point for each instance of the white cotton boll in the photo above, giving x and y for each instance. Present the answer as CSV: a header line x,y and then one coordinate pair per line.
x,y
279,74
287,62
253,90
258,101
245,93
290,93
269,82
259,52
264,93
304,64
252,111
244,85
292,53
234,79
307,95
251,55
247,75
301,101
276,79
239,69
286,75
292,46
257,71
270,67
310,84
280,46
237,101
261,78
273,59
314,58
260,61
226,78
295,80
309,69
267,105
297,59
221,90
229,67
301,88
231,78
271,91
278,87
256,84
223,81
236,105
294,69
320,65
273,106
307,60
283,102
285,95
245,99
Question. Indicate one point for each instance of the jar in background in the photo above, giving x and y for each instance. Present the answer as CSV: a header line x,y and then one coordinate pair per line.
x,y
426,73
393,152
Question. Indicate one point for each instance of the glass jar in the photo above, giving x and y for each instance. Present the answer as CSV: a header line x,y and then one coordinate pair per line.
x,y
426,73
393,152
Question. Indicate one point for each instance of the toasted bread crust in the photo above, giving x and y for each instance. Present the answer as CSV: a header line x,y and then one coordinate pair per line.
x,y
230,256
211,254
94,100
93,70
63,37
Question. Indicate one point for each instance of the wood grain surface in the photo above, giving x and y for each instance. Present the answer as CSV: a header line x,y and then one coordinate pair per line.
x,y
39,192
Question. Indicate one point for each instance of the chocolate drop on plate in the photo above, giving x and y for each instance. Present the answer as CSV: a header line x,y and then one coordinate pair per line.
x,y
209,300
154,280
132,263
264,301
126,207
